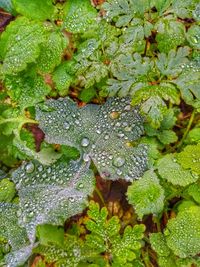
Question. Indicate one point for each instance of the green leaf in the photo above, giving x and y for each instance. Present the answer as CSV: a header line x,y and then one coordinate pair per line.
x,y
184,9
172,171
35,9
167,137
189,158
79,16
51,52
193,36
188,83
170,64
50,194
194,191
50,234
87,94
62,78
26,89
146,195
183,233
158,243
20,44
100,133
171,34
7,190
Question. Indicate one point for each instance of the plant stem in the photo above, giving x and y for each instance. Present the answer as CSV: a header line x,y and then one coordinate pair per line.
x,y
100,196
187,130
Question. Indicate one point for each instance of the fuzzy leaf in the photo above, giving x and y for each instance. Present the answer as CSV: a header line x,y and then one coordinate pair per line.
x,y
100,133
189,158
193,36
146,194
50,194
79,15
183,233
20,44
169,169
158,244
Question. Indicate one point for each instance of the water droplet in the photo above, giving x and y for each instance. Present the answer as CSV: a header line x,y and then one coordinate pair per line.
x,y
86,157
85,142
119,172
118,161
66,125
106,137
127,108
114,115
30,167
98,131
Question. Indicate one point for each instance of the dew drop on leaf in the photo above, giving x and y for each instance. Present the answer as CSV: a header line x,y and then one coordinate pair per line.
x,y
85,142
114,115
30,167
118,162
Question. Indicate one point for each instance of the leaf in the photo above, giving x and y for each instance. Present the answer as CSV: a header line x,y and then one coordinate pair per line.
x,y
7,5
146,195
170,64
124,11
26,89
194,191
171,34
158,243
7,190
105,237
50,194
189,158
20,44
51,52
183,233
100,133
79,16
193,36
172,171
184,9
35,9
188,83
50,234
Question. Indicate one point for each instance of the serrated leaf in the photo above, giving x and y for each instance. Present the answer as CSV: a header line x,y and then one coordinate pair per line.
x,y
26,89
20,44
50,194
183,233
189,158
171,64
194,191
171,34
51,52
79,16
100,133
169,169
146,195
188,83
184,9
35,9
193,36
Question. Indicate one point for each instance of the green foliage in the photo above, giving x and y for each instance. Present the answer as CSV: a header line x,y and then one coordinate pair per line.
x,y
103,239
35,9
169,169
183,233
146,195
79,15
189,158
7,190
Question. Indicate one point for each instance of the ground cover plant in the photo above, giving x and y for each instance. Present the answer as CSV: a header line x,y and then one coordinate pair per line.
x,y
99,133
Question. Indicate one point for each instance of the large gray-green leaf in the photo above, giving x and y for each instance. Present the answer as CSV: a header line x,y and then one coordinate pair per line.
x,y
50,194
100,133
14,234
